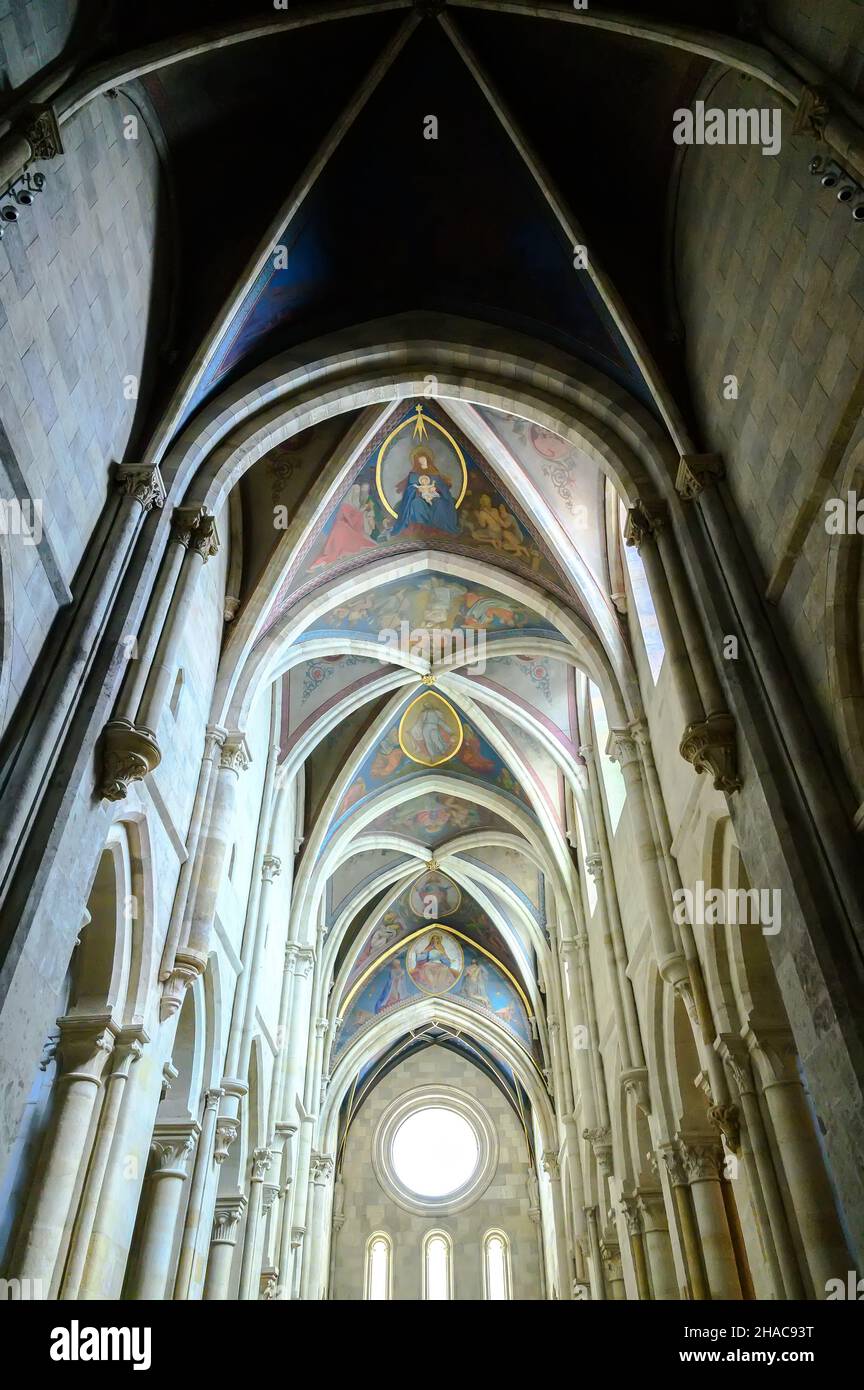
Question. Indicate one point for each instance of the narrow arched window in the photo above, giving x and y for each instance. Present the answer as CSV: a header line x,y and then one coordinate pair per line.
x,y
496,1266
437,1266
379,1267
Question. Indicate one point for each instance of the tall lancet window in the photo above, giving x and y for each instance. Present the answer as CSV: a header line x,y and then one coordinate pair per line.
x,y
496,1266
437,1266
379,1266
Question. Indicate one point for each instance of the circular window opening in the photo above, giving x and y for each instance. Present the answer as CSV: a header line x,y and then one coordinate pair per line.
x,y
435,1152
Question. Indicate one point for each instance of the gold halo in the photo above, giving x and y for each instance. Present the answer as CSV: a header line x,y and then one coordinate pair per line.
x,y
428,421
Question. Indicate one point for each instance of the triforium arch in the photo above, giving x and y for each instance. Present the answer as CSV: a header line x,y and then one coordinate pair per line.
x,y
416,739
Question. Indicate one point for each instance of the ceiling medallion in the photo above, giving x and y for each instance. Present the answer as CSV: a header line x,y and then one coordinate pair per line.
x,y
430,730
433,894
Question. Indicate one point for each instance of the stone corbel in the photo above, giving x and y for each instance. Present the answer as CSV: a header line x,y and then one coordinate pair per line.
x,y
635,1083
42,133
600,1140
695,473
227,1130
644,520
184,972
711,746
727,1119
128,755
141,481
811,113
171,1148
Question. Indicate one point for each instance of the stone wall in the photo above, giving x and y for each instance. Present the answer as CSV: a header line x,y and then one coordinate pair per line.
x,y
504,1204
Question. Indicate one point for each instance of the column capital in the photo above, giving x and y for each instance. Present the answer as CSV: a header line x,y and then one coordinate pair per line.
x,y
674,1165
86,1042
635,1083
226,1219
622,748
727,1119
774,1055
143,482
271,867
551,1166
271,1192
261,1160
235,756
632,1214
184,972
321,1167
128,755
226,1132
594,865
695,473
42,132
321,1026
711,746
213,1097
171,1148
600,1140
702,1159
736,1059
195,529
644,519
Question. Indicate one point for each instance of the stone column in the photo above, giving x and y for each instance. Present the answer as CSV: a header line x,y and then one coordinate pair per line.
x,y
172,1148
128,1048
196,539
85,1045
599,1277
670,962
284,1245
562,1255
261,1160
226,1224
234,759
687,1228
703,1162
611,1254
810,1196
775,1233
633,1217
658,1247
204,1160
317,1244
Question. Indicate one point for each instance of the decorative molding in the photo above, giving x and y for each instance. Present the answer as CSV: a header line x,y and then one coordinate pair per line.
x,y
128,755
711,746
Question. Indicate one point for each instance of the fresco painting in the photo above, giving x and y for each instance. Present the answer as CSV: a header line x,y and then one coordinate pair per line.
x,y
435,962
434,895
436,817
420,483
431,600
429,731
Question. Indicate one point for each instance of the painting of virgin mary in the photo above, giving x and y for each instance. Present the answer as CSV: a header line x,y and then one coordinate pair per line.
x,y
426,497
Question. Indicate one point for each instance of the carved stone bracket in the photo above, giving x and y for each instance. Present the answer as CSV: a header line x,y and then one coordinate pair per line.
x,y
184,972
600,1140
644,520
702,1160
128,755
635,1083
710,745
42,133
226,1132
811,113
728,1120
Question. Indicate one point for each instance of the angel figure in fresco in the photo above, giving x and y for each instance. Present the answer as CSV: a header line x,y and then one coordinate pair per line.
x,y
474,987
348,534
394,988
426,499
433,969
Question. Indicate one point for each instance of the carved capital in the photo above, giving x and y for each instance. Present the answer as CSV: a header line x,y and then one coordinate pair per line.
x,y
85,1043
703,1161
235,755
600,1140
205,538
811,113
727,1118
644,520
551,1166
696,472
635,1083
674,1165
184,520
632,1215
710,745
184,972
321,1168
261,1160
226,1220
128,755
143,482
776,1056
42,133
622,747
594,865
226,1132
171,1149
271,1192
271,867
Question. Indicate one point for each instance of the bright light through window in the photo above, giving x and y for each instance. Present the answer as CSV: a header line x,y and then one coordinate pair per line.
x,y
435,1152
496,1268
437,1268
379,1269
